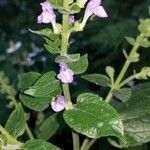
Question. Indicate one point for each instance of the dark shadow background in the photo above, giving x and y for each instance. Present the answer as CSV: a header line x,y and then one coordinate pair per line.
x,y
102,39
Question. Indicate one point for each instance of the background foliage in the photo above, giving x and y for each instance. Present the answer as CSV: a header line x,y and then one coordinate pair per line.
x,y
103,40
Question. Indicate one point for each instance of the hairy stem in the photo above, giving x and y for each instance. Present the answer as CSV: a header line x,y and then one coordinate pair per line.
x,y
87,144
84,144
109,96
76,142
64,50
124,69
91,143
67,96
126,81
65,32
127,64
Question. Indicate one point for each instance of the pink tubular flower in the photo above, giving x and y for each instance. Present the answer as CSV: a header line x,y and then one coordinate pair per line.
x,y
65,74
93,7
59,104
47,15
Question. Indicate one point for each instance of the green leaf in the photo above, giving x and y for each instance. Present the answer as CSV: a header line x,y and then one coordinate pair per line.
x,y
56,3
98,79
79,66
45,78
37,104
130,40
46,86
74,8
47,32
49,90
16,122
94,118
27,79
38,145
136,116
123,94
53,46
48,127
68,58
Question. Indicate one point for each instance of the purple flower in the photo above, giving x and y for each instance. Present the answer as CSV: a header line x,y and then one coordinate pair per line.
x,y
47,15
59,104
65,74
93,7
71,19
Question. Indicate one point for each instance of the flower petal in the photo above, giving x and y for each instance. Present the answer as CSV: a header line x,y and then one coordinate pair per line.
x,y
65,74
45,17
59,104
47,14
100,12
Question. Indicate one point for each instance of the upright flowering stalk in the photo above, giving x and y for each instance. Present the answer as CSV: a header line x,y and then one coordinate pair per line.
x,y
93,7
65,74
47,15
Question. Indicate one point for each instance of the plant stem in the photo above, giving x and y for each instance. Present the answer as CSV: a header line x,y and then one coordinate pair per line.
x,y
125,68
29,133
65,32
64,50
84,145
76,142
127,64
91,143
109,96
87,144
67,96
126,81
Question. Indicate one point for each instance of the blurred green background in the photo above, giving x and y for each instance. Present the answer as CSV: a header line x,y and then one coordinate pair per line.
x,y
102,39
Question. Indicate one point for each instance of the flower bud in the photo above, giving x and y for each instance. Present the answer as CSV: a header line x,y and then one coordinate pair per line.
x,y
144,74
